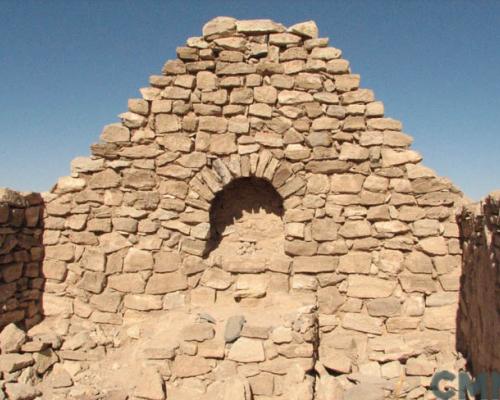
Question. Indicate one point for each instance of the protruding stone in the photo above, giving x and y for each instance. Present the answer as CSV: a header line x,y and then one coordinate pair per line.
x,y
392,157
233,328
219,26
86,164
115,133
307,29
67,184
258,26
326,53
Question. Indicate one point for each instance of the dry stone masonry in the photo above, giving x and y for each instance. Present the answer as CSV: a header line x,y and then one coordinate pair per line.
x,y
21,254
254,228
479,316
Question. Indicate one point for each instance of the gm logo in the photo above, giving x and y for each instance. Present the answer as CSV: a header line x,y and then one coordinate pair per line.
x,y
486,385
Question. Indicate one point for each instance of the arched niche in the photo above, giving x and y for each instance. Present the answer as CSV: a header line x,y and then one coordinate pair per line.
x,y
247,233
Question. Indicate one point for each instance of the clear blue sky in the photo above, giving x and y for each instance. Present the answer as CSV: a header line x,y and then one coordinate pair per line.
x,y
67,68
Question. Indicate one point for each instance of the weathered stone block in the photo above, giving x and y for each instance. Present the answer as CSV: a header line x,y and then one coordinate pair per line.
x,y
246,350
127,283
314,265
166,283
355,262
362,323
366,287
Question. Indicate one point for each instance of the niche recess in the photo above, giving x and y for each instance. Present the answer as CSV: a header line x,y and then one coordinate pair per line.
x,y
247,226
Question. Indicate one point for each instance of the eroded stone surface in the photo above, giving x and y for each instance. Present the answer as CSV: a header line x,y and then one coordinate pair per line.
x,y
254,214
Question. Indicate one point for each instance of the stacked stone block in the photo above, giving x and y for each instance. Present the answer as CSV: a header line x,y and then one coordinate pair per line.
x,y
370,243
21,254
479,314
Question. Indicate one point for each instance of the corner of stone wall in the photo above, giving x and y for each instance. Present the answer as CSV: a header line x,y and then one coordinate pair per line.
x,y
478,321
21,254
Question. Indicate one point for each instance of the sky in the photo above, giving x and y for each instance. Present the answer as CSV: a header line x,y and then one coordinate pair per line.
x,y
67,68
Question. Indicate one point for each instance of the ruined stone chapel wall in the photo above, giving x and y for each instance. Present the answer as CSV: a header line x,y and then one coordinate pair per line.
x,y
369,241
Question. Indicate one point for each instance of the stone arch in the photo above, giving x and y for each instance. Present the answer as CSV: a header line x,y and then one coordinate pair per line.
x,y
209,181
244,195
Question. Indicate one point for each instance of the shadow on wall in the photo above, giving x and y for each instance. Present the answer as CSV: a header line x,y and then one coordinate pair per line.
x,y
478,319
21,256
243,195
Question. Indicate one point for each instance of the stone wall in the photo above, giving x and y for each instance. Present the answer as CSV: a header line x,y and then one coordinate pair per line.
x,y
21,254
272,229
479,315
